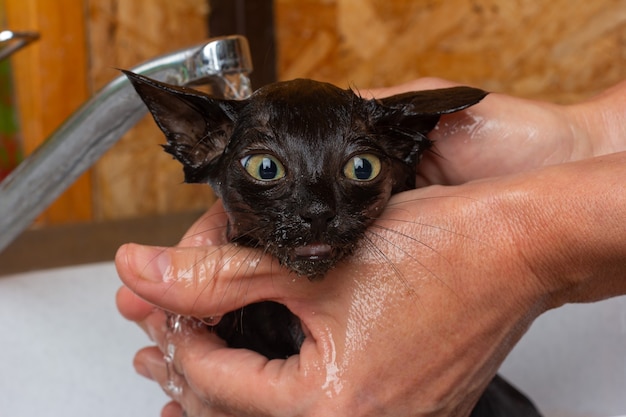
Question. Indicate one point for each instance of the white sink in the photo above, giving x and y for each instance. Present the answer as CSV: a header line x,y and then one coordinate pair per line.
x,y
572,361
66,351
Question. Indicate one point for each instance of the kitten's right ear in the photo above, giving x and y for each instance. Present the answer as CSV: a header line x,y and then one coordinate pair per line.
x,y
197,126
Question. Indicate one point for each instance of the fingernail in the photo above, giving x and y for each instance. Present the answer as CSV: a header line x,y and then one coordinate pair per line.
x,y
148,364
143,370
156,327
149,262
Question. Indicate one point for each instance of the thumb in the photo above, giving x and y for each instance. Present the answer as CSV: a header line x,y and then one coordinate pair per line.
x,y
198,281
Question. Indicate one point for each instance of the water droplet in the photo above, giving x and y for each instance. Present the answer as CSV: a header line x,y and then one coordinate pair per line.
x,y
211,320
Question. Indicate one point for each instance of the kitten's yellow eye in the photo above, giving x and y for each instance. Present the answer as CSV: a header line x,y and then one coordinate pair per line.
x,y
364,167
263,167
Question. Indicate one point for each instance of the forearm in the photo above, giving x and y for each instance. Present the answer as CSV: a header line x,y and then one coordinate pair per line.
x,y
571,228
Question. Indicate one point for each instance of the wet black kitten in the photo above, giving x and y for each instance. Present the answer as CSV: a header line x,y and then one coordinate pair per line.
x,y
303,168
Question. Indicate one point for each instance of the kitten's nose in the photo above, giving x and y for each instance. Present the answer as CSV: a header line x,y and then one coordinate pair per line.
x,y
318,216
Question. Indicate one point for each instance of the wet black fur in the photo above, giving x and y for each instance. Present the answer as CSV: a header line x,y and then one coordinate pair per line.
x,y
314,129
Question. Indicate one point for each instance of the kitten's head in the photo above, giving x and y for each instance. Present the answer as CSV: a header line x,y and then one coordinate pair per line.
x,y
302,167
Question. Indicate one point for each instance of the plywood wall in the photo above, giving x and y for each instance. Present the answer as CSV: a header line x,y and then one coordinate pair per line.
x,y
136,177
51,82
558,50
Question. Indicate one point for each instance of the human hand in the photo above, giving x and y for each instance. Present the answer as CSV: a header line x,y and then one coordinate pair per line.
x,y
355,320
418,331
503,135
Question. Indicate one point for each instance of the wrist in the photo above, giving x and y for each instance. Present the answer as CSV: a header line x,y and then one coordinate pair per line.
x,y
569,228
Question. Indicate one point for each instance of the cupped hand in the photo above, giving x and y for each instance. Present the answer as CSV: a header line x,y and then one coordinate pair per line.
x,y
501,135
380,338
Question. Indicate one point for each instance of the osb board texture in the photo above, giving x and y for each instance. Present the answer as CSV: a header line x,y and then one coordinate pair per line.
x,y
136,177
50,78
557,50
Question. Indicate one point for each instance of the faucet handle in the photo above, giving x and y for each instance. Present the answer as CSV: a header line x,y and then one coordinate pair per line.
x,y
221,55
224,61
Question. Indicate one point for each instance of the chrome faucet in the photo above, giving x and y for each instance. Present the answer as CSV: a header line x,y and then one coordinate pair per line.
x,y
11,42
222,62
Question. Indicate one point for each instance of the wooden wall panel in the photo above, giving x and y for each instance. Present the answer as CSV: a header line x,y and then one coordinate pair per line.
x,y
255,21
51,82
136,177
560,50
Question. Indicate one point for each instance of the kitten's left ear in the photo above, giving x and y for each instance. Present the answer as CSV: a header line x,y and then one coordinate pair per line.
x,y
197,126
435,102
421,109
412,115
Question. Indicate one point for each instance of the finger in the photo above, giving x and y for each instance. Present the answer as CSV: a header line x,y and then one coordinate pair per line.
x,y
167,372
172,409
193,349
149,362
200,281
132,307
135,309
238,379
151,319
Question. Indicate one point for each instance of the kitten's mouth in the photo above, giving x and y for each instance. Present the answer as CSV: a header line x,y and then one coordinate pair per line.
x,y
313,251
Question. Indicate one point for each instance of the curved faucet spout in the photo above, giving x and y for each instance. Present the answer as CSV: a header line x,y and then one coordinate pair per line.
x,y
224,62
11,42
